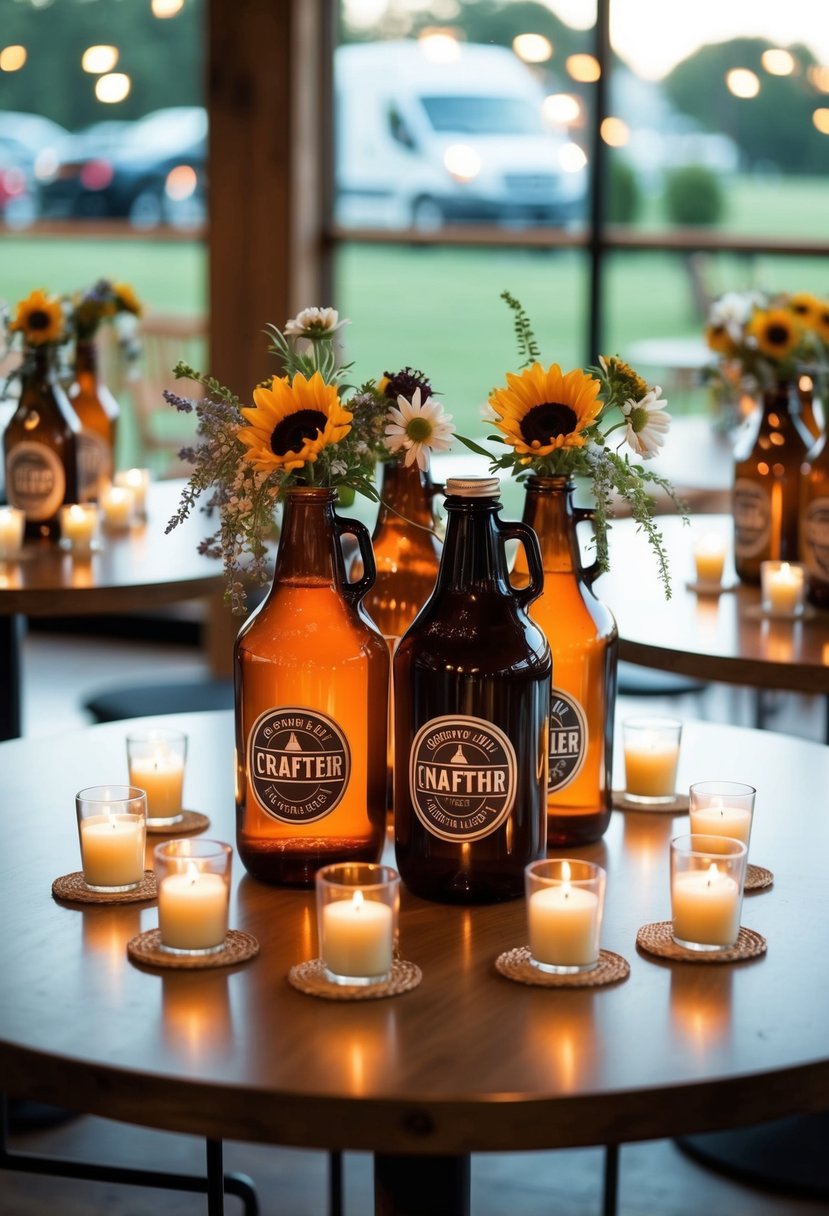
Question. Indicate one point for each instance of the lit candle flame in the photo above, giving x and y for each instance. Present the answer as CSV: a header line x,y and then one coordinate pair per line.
x,y
712,872
565,876
192,872
357,901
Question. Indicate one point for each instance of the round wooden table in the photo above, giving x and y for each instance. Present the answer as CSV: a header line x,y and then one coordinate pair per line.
x,y
466,1062
713,637
133,571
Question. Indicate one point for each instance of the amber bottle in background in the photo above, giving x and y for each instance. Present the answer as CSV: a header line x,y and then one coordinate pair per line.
x,y
97,412
814,523
584,642
311,694
471,705
810,412
766,496
40,447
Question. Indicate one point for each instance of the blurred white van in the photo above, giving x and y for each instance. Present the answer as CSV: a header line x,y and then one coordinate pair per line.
x,y
458,135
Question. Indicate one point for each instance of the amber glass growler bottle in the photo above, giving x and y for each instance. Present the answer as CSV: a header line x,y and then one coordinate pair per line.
x,y
40,447
311,695
814,523
97,412
406,549
766,494
471,705
584,642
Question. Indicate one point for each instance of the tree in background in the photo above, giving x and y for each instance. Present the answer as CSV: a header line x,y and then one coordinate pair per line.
x,y
163,58
773,130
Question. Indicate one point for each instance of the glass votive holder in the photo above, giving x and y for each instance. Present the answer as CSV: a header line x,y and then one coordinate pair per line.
x,y
782,587
112,828
12,525
78,525
137,480
651,748
722,809
709,559
565,903
193,878
156,759
707,878
357,916
117,505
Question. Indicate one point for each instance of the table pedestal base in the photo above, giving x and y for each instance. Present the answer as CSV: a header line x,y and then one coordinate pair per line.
x,y
788,1155
410,1186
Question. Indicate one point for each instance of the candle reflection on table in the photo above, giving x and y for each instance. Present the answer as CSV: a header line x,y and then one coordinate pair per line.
x,y
701,1007
565,1040
361,1056
197,1014
106,932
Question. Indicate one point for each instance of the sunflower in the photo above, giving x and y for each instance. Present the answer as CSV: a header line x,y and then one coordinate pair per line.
x,y
804,307
775,332
542,410
404,384
821,321
39,318
292,421
719,339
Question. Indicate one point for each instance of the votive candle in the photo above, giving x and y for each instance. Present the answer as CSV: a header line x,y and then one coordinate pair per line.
x,y
138,481
118,505
564,913
709,558
12,524
78,522
193,894
782,588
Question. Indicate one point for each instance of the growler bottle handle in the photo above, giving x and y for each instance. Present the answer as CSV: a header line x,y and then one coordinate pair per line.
x,y
589,573
525,535
354,591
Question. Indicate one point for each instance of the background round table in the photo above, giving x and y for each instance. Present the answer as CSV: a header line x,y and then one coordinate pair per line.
x,y
712,637
466,1062
133,571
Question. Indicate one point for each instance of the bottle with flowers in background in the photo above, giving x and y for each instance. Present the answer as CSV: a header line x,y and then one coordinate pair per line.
x,y
558,426
311,668
408,424
40,443
94,404
771,344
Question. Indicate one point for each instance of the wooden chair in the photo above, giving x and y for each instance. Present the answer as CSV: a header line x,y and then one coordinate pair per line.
x,y
161,432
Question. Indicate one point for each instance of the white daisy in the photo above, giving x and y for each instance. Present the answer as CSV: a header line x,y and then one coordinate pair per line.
x,y
314,323
646,423
418,429
732,312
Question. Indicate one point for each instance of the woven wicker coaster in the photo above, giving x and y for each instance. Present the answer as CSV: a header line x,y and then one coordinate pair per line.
x,y
310,978
146,949
191,821
73,889
757,878
657,939
516,965
677,806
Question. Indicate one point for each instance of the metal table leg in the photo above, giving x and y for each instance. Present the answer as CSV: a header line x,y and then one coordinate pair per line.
x,y
11,628
411,1186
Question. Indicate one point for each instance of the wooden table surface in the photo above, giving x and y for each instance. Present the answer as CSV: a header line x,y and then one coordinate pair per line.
x,y
712,637
468,1061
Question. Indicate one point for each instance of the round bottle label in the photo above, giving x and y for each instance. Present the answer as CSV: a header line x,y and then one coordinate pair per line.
x,y
568,740
462,775
299,764
752,518
35,479
815,534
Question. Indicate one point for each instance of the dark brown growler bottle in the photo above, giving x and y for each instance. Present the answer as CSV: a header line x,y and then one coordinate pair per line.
x,y
766,496
312,678
97,412
40,447
471,710
814,523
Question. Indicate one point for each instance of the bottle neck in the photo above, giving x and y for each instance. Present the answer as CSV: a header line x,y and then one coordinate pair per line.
x,y
780,414
405,492
473,558
86,363
309,550
548,509
39,366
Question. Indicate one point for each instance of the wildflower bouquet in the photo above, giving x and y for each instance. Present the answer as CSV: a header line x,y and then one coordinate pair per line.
x,y
305,427
763,339
559,424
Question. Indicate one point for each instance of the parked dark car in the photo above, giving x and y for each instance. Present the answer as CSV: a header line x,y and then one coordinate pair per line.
x,y
150,172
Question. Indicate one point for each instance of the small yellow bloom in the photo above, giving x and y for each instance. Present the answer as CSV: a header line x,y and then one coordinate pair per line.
x,y
775,332
126,300
39,318
544,409
804,307
292,422
719,339
821,321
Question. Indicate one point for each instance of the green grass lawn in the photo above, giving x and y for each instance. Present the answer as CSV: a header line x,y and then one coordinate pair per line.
x,y
439,309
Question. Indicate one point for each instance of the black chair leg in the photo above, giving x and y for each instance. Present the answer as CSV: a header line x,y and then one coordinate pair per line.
x,y
335,1184
610,1193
